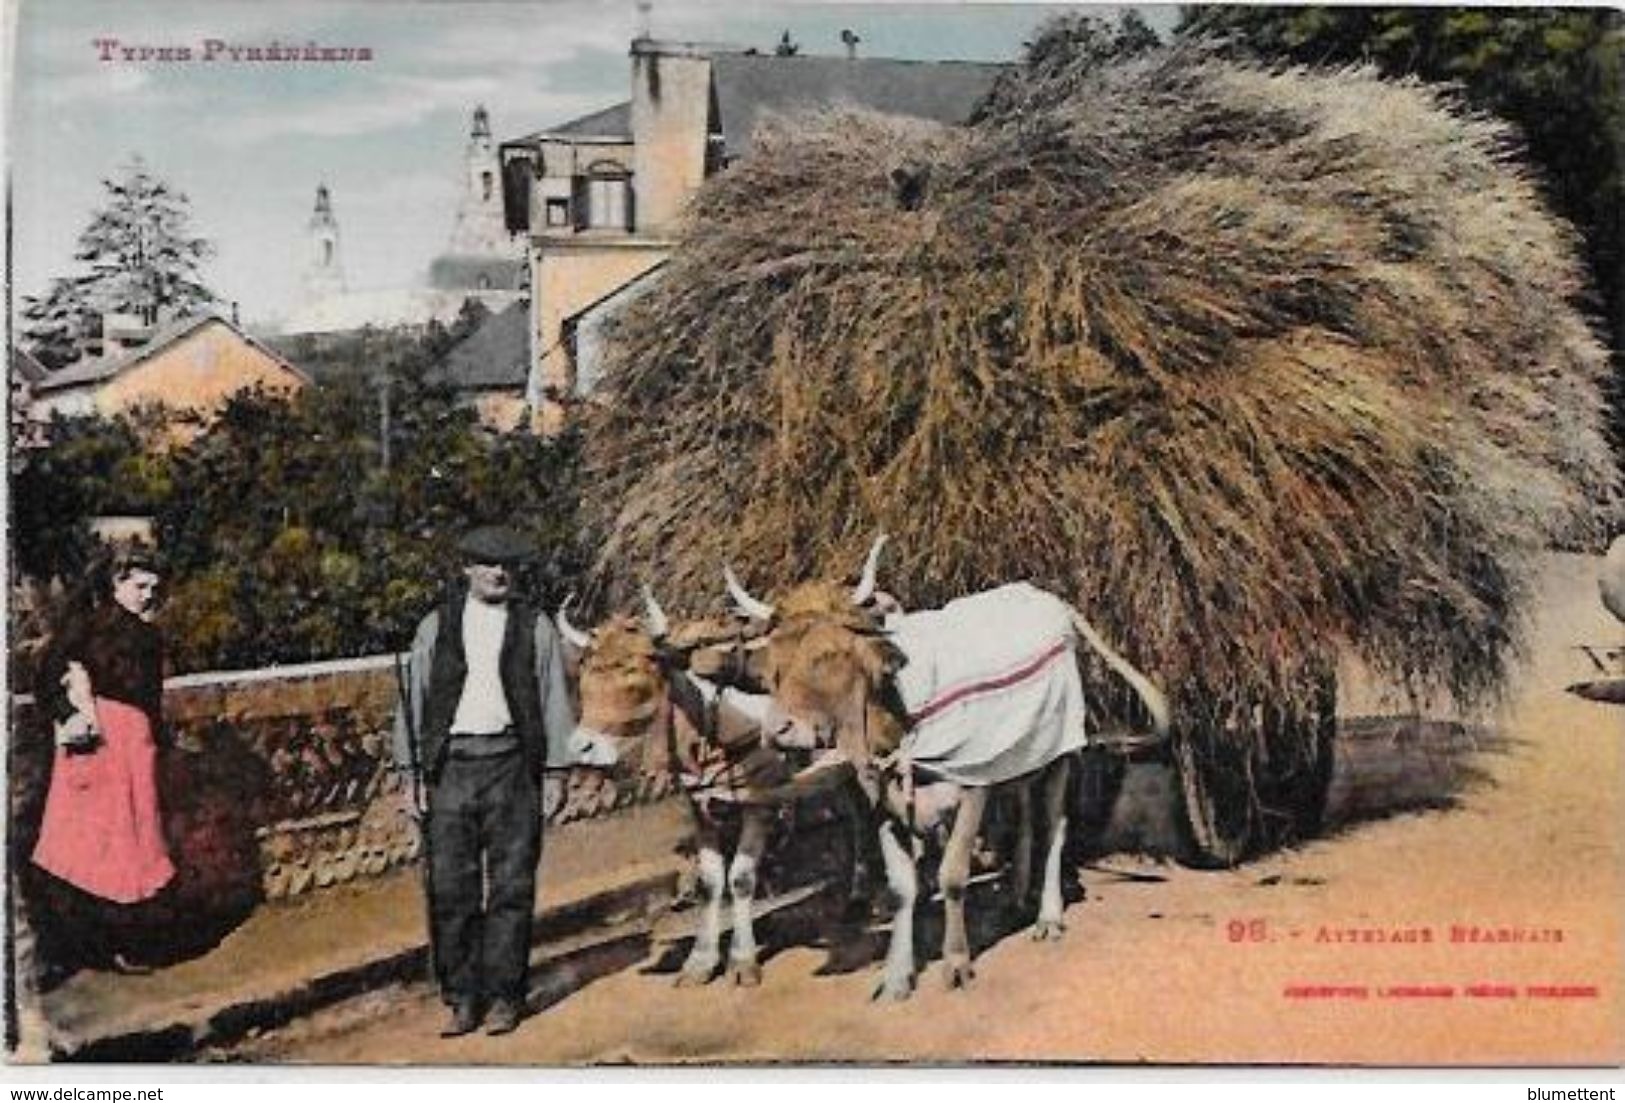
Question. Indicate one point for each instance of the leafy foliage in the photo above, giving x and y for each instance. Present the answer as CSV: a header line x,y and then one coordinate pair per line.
x,y
87,467
289,539
283,534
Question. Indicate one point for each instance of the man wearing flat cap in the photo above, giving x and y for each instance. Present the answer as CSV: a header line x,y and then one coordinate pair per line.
x,y
485,710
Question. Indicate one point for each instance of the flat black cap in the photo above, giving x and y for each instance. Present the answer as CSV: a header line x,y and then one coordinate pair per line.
x,y
495,544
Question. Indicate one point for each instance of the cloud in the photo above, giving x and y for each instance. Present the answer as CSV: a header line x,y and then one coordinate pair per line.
x,y
536,36
397,102
121,83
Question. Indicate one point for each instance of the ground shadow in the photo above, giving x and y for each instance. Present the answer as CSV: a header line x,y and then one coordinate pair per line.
x,y
1385,767
853,932
558,978
212,796
216,794
1391,766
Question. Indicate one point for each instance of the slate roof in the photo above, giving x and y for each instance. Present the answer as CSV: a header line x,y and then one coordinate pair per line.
x,y
87,371
496,356
463,273
26,367
611,122
749,86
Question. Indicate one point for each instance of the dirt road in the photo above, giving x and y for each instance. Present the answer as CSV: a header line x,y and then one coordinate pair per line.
x,y
1465,908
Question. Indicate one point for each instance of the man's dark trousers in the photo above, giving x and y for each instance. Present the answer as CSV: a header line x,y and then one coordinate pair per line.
x,y
482,910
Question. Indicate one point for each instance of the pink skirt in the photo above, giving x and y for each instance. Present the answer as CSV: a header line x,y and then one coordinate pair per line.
x,y
102,829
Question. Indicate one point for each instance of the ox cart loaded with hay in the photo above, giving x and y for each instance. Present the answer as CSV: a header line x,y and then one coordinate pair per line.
x,y
1254,368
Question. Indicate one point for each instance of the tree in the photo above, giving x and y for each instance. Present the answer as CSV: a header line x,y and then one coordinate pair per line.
x,y
139,257
89,466
288,538
1554,72
60,322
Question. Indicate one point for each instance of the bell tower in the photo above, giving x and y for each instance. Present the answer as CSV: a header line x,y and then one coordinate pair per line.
x,y
324,271
479,229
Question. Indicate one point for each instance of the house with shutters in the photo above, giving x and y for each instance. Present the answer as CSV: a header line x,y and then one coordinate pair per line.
x,y
599,198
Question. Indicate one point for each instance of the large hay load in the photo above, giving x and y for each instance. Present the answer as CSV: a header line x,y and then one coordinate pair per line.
x,y
1254,366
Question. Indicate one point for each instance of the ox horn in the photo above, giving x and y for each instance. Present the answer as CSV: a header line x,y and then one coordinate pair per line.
x,y
759,610
654,617
866,585
574,636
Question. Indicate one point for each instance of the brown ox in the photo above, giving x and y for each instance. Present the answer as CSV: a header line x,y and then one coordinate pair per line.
x,y
636,692
830,663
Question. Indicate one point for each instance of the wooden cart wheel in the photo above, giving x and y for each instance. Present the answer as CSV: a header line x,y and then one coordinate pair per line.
x,y
1220,803
1265,785
1295,776
1309,796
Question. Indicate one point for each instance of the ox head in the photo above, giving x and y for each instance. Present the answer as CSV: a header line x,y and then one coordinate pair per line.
x,y
626,672
622,679
827,661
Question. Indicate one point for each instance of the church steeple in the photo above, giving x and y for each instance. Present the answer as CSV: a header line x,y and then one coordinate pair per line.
x,y
479,229
324,271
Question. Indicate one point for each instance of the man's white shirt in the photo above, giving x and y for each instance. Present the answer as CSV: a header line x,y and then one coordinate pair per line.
x,y
483,707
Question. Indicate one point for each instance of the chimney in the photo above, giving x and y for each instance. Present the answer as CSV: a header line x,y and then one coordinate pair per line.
x,y
122,332
850,40
235,320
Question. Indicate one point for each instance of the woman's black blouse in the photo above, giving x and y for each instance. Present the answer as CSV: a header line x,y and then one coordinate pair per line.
x,y
123,654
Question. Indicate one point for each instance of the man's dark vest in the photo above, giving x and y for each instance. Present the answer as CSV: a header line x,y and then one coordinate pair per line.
x,y
449,669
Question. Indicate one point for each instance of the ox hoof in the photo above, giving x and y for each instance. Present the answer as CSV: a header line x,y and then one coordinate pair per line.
x,y
745,974
894,988
957,974
696,974
1048,930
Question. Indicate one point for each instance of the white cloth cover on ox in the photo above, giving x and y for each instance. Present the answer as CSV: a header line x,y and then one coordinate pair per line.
x,y
991,685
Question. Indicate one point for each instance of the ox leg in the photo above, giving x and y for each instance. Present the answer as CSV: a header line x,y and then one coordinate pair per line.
x,y
1049,925
742,963
854,811
901,876
1021,871
703,959
954,874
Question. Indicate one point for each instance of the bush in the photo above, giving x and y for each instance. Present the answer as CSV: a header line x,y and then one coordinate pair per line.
x,y
284,534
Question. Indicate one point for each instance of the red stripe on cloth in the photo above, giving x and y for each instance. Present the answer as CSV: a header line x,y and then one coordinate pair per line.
x,y
1003,681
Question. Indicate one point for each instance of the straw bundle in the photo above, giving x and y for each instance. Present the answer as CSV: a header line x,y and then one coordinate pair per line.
x,y
1250,364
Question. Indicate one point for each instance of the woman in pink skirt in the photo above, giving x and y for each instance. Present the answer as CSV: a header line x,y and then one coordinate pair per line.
x,y
102,831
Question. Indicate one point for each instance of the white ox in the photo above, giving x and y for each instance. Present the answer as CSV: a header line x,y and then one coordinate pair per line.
x,y
935,710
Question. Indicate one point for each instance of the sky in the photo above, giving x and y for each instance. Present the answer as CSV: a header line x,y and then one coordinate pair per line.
x,y
248,142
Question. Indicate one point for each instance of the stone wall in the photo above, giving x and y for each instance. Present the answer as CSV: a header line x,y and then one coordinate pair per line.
x,y
280,781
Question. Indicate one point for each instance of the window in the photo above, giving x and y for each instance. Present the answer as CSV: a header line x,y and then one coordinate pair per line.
x,y
485,187
606,192
558,212
606,203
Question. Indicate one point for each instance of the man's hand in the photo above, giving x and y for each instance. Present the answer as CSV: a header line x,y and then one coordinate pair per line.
x,y
77,733
554,783
417,800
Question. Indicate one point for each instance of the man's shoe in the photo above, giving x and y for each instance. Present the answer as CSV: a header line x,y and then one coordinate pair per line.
x,y
504,1017
465,1019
